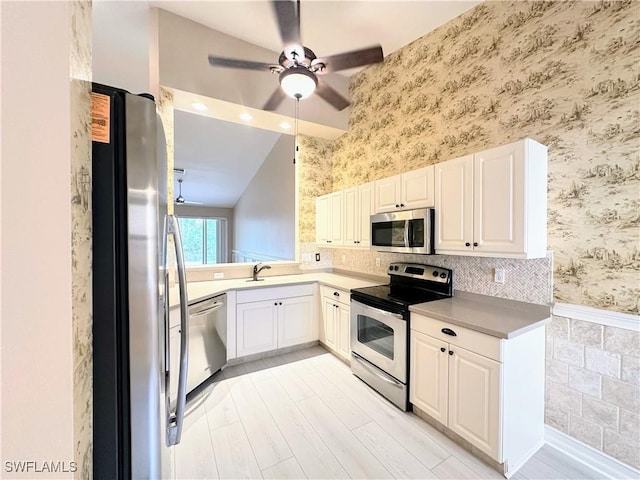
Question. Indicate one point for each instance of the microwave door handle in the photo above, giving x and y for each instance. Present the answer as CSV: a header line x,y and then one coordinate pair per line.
x,y
407,226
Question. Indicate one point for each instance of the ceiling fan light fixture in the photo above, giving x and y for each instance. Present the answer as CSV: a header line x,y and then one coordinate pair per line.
x,y
298,82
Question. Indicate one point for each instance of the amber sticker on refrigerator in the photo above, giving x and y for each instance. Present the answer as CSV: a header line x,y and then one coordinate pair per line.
x,y
100,111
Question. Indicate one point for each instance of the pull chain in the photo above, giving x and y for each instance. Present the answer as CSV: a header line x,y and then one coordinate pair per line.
x,y
295,130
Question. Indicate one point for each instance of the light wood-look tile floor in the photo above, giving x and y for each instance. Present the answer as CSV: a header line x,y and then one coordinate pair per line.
x,y
304,415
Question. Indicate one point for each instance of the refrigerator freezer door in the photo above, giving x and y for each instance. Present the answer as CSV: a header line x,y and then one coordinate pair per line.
x,y
148,452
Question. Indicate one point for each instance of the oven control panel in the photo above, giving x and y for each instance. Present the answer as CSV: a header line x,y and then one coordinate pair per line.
x,y
422,272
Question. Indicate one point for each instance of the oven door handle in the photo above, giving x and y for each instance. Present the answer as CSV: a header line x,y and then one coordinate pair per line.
x,y
379,310
371,370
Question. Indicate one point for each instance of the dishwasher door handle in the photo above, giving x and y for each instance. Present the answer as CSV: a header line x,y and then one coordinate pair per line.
x,y
206,311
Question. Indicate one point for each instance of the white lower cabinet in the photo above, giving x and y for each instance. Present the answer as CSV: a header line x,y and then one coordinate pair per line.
x,y
296,321
336,310
271,318
257,327
488,390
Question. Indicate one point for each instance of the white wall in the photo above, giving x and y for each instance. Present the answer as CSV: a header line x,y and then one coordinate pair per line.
x,y
121,42
264,216
36,312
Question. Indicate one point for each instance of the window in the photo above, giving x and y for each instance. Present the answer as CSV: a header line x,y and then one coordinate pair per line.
x,y
203,240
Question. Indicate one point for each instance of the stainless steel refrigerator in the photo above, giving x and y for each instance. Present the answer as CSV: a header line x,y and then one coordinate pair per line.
x,y
135,418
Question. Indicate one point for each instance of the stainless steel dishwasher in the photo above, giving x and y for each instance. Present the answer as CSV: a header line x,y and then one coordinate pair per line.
x,y
207,339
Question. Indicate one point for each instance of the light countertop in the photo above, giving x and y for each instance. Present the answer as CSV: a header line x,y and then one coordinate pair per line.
x,y
197,291
494,316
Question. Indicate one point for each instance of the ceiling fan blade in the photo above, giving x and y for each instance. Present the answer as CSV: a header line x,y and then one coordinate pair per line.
x,y
288,18
331,96
237,63
275,99
356,58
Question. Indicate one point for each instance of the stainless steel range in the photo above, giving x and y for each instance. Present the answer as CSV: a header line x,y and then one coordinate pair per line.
x,y
380,326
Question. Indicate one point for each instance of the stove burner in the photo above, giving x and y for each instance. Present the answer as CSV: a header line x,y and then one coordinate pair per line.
x,y
409,284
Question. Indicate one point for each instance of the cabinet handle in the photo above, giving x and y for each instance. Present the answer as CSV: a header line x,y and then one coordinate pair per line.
x,y
450,352
475,244
402,204
275,303
328,241
397,205
448,331
279,303
442,349
336,294
467,244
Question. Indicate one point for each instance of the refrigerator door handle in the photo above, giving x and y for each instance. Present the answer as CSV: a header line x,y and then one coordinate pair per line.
x,y
175,420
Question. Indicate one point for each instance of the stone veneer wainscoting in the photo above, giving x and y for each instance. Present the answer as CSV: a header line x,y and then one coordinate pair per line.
x,y
565,74
592,388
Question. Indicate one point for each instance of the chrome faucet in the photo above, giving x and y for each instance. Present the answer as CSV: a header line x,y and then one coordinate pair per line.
x,y
257,270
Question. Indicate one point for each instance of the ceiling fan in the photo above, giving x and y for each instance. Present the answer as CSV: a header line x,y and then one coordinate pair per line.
x,y
180,200
298,67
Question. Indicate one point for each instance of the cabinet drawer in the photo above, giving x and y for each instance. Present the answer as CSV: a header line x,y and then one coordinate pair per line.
x,y
480,343
260,294
342,296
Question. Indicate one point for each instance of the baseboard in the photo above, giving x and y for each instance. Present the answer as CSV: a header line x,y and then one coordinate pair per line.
x,y
601,462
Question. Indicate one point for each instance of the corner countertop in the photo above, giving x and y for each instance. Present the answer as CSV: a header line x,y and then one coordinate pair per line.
x,y
494,316
197,291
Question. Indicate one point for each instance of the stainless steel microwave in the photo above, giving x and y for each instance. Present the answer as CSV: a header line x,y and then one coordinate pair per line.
x,y
406,231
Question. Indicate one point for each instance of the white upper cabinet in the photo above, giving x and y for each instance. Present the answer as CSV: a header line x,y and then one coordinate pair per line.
x,y
408,190
322,219
454,204
358,207
417,188
493,203
329,220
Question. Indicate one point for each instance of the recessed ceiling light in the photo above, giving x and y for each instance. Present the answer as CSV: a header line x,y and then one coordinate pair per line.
x,y
201,107
285,125
246,117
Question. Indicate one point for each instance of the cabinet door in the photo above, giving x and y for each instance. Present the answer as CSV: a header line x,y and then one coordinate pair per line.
x,y
322,220
418,188
296,322
454,205
343,330
387,195
256,327
428,388
335,219
474,399
329,323
499,199
366,198
351,219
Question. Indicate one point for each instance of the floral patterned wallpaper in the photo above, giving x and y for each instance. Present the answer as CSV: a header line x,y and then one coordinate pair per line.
x,y
564,73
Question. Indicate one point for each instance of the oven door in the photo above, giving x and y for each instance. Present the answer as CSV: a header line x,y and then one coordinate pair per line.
x,y
381,338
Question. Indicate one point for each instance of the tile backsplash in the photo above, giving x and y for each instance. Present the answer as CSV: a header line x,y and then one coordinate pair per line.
x,y
526,280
